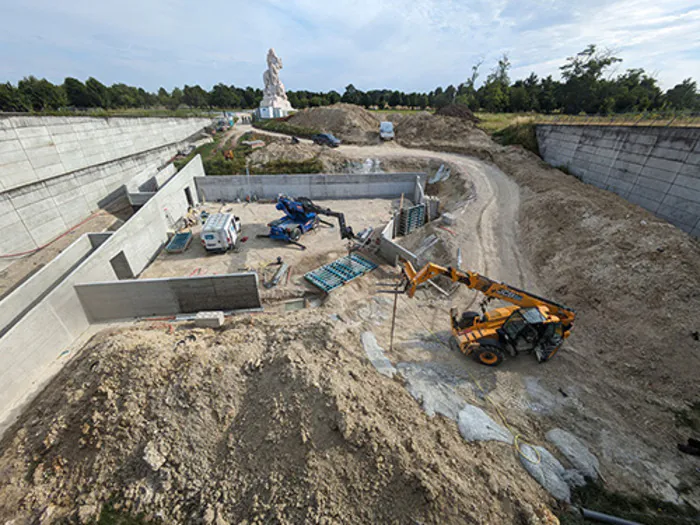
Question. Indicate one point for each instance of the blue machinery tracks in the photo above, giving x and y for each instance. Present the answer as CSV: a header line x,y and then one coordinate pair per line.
x,y
339,272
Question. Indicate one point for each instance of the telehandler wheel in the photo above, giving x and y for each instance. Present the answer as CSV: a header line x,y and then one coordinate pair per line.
x,y
489,355
454,344
296,234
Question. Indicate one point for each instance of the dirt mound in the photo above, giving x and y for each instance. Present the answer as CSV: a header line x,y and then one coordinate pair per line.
x,y
268,419
331,160
459,111
350,123
423,130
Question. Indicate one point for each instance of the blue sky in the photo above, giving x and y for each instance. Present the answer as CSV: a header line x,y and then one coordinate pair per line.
x,y
411,45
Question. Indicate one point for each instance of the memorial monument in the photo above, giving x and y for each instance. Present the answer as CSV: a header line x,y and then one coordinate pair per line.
x,y
274,103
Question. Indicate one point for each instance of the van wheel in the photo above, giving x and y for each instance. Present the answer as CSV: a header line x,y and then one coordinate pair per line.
x,y
296,234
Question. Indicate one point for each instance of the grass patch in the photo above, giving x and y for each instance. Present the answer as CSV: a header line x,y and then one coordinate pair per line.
x,y
522,134
645,510
217,164
495,122
281,126
205,150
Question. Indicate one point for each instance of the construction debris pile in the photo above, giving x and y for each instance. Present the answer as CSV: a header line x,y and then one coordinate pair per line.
x,y
268,419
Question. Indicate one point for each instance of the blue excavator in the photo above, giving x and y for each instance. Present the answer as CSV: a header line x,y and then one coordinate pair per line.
x,y
300,216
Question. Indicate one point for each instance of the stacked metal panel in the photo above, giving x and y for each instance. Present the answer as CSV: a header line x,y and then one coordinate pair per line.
x,y
411,219
339,272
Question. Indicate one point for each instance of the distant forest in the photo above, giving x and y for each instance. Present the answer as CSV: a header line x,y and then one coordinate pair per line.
x,y
586,86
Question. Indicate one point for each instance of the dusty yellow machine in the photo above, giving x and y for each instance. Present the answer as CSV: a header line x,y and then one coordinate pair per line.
x,y
533,325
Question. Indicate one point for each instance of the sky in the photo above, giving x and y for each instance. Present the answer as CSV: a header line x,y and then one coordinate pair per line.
x,y
409,45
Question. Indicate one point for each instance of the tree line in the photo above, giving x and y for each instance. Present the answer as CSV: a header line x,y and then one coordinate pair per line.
x,y
585,87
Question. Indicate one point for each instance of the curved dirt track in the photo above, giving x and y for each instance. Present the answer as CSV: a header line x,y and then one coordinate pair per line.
x,y
487,224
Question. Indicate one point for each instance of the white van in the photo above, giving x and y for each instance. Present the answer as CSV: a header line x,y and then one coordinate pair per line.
x,y
386,130
220,232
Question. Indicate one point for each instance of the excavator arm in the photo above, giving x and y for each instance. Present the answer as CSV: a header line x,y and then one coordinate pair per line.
x,y
345,230
489,287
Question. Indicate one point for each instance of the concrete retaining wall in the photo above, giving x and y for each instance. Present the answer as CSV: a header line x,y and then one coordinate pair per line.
x,y
55,171
657,168
33,149
15,304
391,251
35,342
314,186
151,297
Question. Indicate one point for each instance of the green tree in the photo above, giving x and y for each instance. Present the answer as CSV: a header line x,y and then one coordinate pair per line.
x,y
76,93
494,95
194,96
684,95
519,98
333,97
98,93
352,95
11,99
163,97
121,96
582,74
175,98
41,94
223,96
547,95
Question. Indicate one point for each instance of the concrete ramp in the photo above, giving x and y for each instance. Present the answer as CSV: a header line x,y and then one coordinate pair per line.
x,y
127,299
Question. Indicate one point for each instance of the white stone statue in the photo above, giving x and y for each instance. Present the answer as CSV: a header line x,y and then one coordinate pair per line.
x,y
274,95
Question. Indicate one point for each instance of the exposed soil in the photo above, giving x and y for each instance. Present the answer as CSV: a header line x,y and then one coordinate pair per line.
x,y
352,124
458,111
268,419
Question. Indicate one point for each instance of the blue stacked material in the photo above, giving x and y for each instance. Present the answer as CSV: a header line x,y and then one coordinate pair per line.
x,y
337,273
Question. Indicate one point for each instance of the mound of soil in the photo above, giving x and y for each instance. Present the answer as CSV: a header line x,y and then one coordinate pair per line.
x,y
423,130
269,419
350,123
458,111
331,160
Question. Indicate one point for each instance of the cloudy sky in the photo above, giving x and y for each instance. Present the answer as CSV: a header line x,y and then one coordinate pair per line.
x,y
400,44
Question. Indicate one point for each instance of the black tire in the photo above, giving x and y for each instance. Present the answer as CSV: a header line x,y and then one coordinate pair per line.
x,y
454,344
488,354
296,234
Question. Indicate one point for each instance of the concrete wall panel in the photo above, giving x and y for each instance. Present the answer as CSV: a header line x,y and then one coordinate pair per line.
x,y
313,186
170,296
656,168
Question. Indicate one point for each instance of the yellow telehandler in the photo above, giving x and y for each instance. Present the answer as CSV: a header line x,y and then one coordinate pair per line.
x,y
533,325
